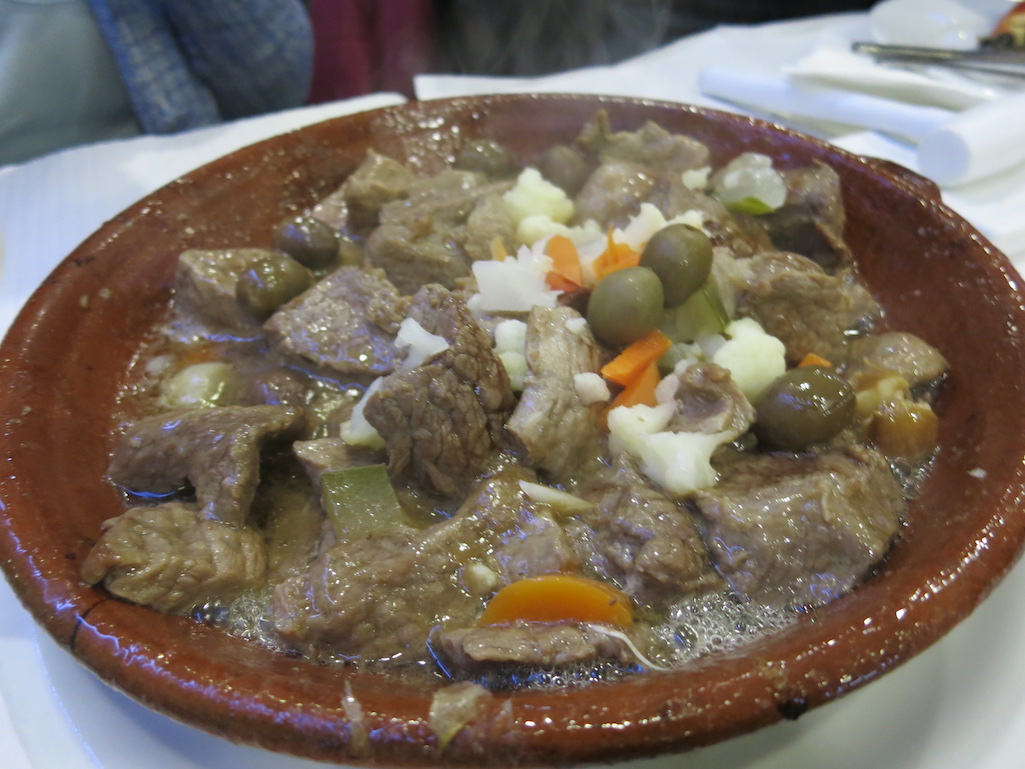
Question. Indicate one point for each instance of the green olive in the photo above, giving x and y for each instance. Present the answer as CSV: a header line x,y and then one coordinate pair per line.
x,y
565,167
307,240
485,157
625,306
803,407
270,282
682,257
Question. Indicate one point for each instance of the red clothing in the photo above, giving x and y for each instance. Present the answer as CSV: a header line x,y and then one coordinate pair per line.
x,y
363,46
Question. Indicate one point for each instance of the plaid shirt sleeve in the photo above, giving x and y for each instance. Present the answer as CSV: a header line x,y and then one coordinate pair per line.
x,y
189,63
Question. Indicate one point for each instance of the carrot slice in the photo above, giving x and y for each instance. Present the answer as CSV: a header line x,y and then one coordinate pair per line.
x,y
635,358
566,273
641,391
498,252
811,359
616,256
559,598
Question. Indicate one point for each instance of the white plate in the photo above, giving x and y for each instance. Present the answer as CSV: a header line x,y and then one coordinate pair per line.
x,y
958,704
936,23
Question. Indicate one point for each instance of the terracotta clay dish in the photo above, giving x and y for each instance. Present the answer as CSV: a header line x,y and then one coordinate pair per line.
x,y
67,354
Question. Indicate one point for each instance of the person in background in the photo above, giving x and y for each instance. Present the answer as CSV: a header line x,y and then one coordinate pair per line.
x,y
380,45
76,71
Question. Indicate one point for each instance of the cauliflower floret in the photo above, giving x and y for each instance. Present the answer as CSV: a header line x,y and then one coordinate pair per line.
x,y
751,184
679,462
630,426
697,178
511,348
516,369
534,195
511,336
591,388
753,357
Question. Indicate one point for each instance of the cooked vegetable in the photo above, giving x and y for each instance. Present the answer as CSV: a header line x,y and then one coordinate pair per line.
x,y
307,240
485,157
641,391
271,282
533,195
677,352
559,598
749,184
877,388
566,273
629,364
681,256
811,359
702,315
804,407
905,429
617,256
360,501
201,385
753,357
561,501
625,306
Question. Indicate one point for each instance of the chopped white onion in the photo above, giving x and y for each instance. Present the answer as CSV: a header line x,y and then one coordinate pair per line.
x,y
422,344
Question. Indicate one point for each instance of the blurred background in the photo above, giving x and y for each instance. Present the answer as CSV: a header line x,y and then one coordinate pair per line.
x,y
79,71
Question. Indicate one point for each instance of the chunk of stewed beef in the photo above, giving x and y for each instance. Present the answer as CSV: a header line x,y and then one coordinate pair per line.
x,y
204,291
557,431
442,420
801,529
650,145
811,220
709,401
345,324
809,310
381,595
614,192
896,351
378,181
477,650
436,232
216,450
639,538
175,558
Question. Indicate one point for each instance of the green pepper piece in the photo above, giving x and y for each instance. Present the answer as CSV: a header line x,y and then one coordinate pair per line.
x,y
360,501
750,205
702,315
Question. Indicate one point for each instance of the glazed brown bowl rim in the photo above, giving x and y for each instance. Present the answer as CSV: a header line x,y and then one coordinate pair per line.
x,y
648,714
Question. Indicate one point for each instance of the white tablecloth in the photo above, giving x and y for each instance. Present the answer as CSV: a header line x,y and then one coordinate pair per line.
x,y
961,703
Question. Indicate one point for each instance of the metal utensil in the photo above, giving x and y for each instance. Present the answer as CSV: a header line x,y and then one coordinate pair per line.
x,y
1002,62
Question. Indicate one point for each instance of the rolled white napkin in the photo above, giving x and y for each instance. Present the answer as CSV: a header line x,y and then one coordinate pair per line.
x,y
976,143
784,96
